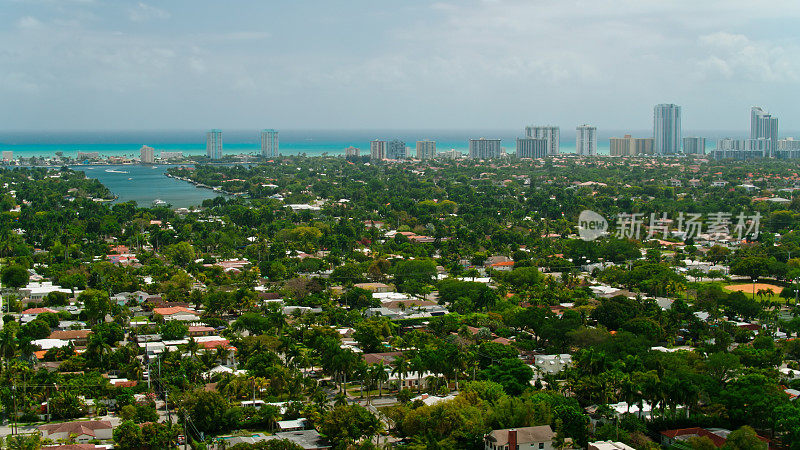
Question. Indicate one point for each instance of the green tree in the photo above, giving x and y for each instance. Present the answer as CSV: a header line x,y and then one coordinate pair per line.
x,y
67,405
744,438
347,424
173,330
357,298
96,305
181,254
25,442
206,410
511,373
15,276
370,333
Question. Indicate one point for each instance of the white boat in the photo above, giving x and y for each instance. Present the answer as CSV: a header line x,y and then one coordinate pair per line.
x,y
115,171
159,202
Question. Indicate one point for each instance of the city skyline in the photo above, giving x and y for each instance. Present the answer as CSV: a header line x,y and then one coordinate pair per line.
x,y
153,65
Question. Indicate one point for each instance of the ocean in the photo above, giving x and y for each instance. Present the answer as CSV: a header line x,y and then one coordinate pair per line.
x,y
292,142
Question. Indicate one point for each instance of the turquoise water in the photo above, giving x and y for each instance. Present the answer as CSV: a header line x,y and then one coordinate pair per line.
x,y
292,142
143,184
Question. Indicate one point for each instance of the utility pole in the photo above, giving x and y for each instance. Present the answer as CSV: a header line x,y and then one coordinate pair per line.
x,y
14,415
185,432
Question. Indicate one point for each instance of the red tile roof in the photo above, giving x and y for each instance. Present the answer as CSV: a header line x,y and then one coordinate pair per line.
x,y
172,310
39,311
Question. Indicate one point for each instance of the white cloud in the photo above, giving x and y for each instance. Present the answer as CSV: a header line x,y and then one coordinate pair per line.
x,y
29,23
731,55
143,12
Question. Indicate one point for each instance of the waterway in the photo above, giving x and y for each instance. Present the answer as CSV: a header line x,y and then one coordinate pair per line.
x,y
144,184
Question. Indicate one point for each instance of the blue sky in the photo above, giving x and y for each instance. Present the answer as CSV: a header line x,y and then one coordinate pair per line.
x,y
101,65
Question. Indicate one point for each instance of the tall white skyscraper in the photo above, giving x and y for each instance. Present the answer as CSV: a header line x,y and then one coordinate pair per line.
x,y
269,143
667,129
377,150
147,155
214,144
764,126
586,140
426,149
551,133
484,148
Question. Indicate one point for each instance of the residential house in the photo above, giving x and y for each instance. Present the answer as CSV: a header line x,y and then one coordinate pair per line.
x,y
374,287
526,438
196,331
609,445
79,338
717,435
292,425
177,313
82,431
550,364
38,291
31,313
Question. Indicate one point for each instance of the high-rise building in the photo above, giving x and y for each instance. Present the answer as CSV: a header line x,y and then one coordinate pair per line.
x,y
426,149
630,146
532,148
586,140
214,144
396,149
728,148
377,150
694,145
551,133
484,148
147,155
352,152
269,143
764,126
8,155
788,148
667,129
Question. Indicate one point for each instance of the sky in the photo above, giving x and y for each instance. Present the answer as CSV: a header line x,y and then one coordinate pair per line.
x,y
409,64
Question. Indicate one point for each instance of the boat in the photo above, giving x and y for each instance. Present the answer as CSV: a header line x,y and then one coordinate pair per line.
x,y
159,202
115,171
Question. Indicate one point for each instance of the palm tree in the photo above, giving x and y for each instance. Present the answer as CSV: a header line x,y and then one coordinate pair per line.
x,y
259,383
418,365
8,345
380,375
192,347
401,368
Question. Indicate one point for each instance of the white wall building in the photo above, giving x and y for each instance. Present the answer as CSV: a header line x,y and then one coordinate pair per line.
x,y
667,129
269,143
147,155
484,148
586,140
214,144
551,133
